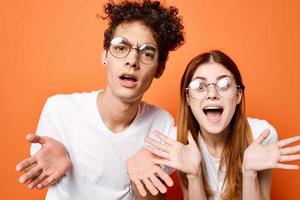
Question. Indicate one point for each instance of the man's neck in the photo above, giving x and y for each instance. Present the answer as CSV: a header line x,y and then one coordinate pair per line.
x,y
115,113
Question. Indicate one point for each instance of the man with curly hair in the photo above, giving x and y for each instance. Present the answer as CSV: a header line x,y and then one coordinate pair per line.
x,y
97,132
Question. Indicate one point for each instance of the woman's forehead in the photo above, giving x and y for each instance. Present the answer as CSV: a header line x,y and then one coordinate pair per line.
x,y
211,70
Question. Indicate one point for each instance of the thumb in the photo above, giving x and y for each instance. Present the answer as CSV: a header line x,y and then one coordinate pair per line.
x,y
190,138
262,136
33,138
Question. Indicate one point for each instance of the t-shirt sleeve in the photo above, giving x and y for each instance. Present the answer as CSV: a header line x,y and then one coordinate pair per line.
x,y
45,125
258,126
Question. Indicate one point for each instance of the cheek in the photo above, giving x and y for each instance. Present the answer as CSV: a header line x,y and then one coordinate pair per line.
x,y
196,110
230,109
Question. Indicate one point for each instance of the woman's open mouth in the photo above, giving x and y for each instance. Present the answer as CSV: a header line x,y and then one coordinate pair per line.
x,y
213,113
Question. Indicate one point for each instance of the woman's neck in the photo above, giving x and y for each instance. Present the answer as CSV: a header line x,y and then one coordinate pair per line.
x,y
215,142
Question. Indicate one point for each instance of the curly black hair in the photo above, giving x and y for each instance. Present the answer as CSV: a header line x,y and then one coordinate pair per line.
x,y
165,24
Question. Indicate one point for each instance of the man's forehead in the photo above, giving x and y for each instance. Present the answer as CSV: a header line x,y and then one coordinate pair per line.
x,y
136,32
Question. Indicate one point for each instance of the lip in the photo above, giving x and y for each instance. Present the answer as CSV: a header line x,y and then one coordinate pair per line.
x,y
130,81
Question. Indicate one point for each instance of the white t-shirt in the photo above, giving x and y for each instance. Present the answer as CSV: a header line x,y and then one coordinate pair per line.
x,y
98,155
213,175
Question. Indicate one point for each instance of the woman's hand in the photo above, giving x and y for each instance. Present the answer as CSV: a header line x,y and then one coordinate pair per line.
x,y
186,158
259,157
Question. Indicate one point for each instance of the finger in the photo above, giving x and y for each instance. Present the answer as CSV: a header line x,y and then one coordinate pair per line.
x,y
37,180
165,162
164,138
288,141
158,153
33,138
158,184
157,144
191,139
262,136
24,164
289,158
286,166
32,173
149,185
165,177
47,182
140,187
290,150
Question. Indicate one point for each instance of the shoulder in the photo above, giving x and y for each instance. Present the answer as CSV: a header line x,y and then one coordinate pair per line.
x,y
258,126
66,101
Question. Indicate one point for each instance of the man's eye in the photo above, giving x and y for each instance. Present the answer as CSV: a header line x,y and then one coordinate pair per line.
x,y
148,54
120,48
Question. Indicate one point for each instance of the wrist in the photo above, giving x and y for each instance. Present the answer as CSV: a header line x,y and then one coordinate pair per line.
x,y
248,172
194,176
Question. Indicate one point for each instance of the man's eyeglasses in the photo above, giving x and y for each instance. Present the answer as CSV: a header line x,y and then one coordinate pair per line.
x,y
225,87
120,47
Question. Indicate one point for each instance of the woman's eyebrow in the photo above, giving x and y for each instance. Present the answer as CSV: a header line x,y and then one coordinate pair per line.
x,y
223,76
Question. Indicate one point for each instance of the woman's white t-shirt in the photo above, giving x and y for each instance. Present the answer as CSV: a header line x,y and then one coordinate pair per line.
x,y
211,165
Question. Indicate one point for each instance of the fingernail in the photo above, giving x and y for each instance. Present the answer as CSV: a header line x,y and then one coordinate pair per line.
x,y
39,186
21,180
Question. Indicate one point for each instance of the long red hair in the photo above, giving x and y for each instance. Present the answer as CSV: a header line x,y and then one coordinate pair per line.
x,y
239,136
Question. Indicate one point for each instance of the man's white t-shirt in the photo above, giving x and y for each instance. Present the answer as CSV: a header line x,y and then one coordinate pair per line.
x,y
98,155
213,175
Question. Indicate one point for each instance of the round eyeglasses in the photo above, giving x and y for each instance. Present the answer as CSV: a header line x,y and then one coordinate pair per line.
x,y
224,86
120,47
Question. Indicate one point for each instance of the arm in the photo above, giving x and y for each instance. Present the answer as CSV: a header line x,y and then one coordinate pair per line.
x,y
186,158
260,159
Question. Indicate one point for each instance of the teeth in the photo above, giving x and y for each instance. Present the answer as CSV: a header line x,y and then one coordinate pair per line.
x,y
212,107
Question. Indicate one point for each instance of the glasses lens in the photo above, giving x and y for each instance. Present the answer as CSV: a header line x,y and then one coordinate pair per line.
x,y
225,87
197,89
223,84
148,53
119,47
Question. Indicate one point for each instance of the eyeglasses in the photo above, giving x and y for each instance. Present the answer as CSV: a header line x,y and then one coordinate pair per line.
x,y
225,87
120,47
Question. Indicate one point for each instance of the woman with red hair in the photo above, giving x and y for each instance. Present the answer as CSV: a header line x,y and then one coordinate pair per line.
x,y
220,153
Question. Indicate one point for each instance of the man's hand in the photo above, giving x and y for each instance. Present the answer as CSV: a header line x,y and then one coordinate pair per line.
x,y
47,166
142,170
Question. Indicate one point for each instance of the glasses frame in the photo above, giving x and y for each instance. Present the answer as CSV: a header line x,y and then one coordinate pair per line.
x,y
206,90
137,49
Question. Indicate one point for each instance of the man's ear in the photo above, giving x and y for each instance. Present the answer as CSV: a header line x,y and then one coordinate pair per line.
x,y
104,57
239,95
160,70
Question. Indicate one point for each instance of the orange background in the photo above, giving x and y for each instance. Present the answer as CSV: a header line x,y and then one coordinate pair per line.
x,y
50,47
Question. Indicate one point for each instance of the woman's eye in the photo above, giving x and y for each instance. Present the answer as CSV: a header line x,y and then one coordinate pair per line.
x,y
223,84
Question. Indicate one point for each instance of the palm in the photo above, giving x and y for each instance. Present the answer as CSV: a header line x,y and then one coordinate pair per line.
x,y
262,157
186,158
259,157
53,155
47,166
